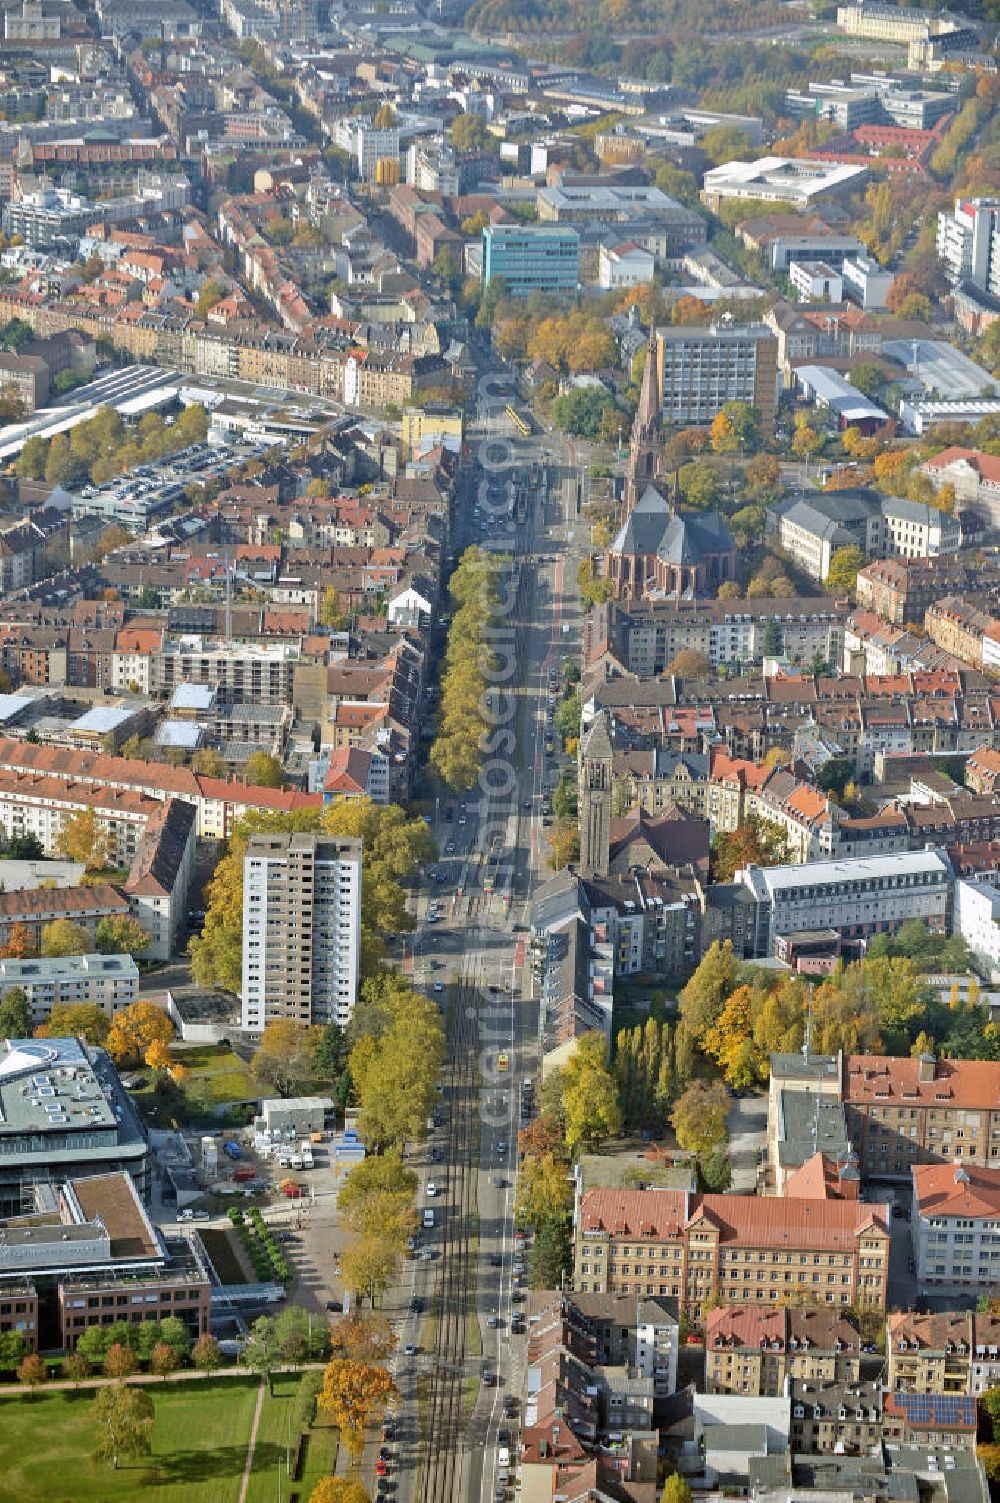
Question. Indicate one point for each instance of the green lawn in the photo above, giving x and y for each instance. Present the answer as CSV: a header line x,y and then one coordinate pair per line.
x,y
219,1078
224,1071
200,1439
276,1438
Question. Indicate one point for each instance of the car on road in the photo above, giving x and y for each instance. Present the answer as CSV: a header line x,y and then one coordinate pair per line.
x,y
416,1304
335,1306
503,1457
498,1183
503,1436
432,1188
437,1156
428,1254
493,1322
381,1468
501,1147
438,986
449,849
496,1260
503,1058
428,1217
409,1350
489,1377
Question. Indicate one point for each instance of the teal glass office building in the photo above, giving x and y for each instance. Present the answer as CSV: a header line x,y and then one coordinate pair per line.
x,y
532,258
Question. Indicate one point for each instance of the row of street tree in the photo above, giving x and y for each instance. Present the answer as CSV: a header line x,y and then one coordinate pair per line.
x,y
457,751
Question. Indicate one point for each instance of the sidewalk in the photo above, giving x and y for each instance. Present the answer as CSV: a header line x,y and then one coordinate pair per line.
x,y
62,1385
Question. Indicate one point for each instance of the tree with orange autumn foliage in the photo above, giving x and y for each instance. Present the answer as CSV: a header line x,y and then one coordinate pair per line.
x,y
19,944
891,470
353,1393
362,1337
690,310
544,1134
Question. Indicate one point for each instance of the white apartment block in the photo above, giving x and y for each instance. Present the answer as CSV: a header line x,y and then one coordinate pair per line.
x,y
914,530
976,918
301,929
968,242
656,1344
366,144
815,282
624,265
865,282
110,981
859,896
955,1224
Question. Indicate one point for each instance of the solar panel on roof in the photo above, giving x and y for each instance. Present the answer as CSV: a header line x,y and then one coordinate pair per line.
x,y
938,1408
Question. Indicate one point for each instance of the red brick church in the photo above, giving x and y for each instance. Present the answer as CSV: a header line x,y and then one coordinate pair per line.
x,y
660,548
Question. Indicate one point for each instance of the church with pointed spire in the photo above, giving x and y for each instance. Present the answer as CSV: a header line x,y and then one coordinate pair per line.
x,y
661,549
645,453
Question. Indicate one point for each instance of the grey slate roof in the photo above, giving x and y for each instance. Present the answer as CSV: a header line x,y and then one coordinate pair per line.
x,y
692,535
678,538
645,524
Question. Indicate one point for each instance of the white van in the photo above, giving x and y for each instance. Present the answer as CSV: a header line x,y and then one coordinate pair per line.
x,y
428,1218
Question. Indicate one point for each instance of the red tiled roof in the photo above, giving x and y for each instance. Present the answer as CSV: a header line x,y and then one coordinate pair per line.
x,y
831,1225
348,771
132,639
956,1190
744,1325
650,1213
930,1332
252,797
972,1084
987,465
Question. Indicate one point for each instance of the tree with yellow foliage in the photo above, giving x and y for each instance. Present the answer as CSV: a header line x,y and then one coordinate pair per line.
x,y
82,837
723,434
729,1041
354,1393
157,1056
564,844
134,1029
806,441
286,1056
699,1117
339,1490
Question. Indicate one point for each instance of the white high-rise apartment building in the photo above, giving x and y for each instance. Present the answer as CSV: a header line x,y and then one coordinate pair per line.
x,y
301,929
968,242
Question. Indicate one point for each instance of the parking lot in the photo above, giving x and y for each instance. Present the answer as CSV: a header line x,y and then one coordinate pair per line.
x,y
747,1123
